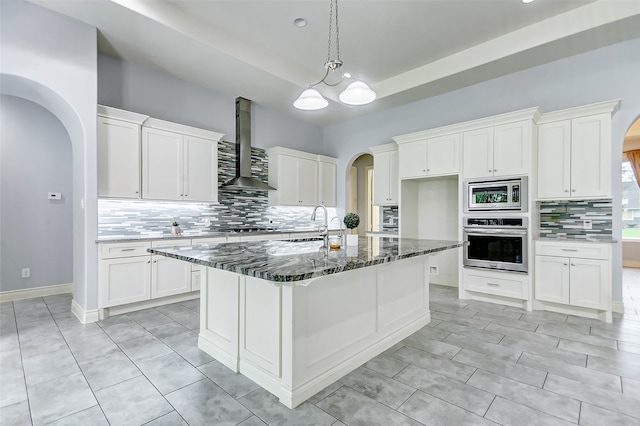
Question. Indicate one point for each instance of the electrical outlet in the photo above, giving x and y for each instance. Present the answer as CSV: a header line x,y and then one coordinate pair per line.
x,y
26,272
587,224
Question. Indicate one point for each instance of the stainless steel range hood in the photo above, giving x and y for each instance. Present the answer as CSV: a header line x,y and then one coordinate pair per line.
x,y
243,178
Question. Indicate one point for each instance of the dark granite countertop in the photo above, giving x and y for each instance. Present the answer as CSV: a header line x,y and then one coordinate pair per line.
x,y
154,236
302,259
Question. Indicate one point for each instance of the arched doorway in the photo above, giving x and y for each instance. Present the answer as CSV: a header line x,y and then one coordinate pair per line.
x,y
360,194
631,217
84,304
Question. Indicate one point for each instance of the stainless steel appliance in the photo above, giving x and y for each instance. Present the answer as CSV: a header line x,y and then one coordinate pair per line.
x,y
496,243
489,195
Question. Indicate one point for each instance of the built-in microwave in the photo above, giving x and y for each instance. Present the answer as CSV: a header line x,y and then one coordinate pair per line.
x,y
492,195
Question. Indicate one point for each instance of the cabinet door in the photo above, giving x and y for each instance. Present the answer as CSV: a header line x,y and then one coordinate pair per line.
x,y
196,279
287,171
161,165
125,280
394,179
169,276
118,158
307,182
412,158
590,283
477,157
200,169
552,279
443,155
512,149
591,156
554,159
381,178
327,183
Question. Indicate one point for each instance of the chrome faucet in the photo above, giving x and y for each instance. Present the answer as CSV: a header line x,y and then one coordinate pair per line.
x,y
339,223
325,232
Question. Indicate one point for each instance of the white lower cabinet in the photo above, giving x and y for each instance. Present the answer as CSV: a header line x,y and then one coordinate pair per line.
x,y
169,276
506,284
574,274
127,273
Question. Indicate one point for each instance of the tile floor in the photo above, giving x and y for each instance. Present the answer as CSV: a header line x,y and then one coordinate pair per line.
x,y
476,363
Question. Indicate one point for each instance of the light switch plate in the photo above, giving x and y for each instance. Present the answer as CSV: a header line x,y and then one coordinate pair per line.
x,y
54,195
587,224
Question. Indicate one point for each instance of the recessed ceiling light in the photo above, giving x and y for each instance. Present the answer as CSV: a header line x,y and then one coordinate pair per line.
x,y
300,22
528,1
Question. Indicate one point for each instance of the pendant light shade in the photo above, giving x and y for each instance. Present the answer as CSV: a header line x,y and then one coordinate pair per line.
x,y
357,93
310,100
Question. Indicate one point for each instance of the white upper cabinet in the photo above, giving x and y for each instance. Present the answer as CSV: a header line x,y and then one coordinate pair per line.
x,y
179,163
301,178
385,174
574,153
503,150
118,152
495,146
429,157
327,173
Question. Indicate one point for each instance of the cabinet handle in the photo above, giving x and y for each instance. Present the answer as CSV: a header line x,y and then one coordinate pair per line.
x,y
573,264
495,170
566,190
493,284
490,170
565,264
186,195
565,249
149,261
137,192
127,249
155,261
573,190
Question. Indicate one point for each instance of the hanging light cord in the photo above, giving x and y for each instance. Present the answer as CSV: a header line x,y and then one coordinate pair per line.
x,y
332,64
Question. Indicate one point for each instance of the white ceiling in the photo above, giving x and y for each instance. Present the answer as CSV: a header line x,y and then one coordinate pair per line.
x,y
405,50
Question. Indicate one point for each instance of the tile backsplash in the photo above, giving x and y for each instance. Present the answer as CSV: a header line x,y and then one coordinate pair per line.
x,y
235,209
565,219
389,219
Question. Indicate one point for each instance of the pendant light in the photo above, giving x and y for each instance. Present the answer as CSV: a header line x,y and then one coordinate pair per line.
x,y
357,93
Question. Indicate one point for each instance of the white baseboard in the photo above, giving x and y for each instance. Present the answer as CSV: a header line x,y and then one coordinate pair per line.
x,y
617,307
30,293
85,317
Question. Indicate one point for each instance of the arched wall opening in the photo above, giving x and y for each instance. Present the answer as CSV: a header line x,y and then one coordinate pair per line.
x,y
33,91
359,192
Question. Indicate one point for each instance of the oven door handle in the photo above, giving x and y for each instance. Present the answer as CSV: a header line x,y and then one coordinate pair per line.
x,y
495,231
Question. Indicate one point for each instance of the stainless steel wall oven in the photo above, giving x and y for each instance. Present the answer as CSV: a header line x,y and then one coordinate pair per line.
x,y
496,243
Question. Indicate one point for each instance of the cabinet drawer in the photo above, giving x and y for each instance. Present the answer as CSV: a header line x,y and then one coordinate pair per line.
x,y
112,251
494,283
171,243
582,250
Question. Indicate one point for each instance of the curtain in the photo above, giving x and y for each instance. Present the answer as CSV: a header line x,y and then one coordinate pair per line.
x,y
634,159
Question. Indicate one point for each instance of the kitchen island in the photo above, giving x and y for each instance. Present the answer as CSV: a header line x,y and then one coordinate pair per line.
x,y
295,317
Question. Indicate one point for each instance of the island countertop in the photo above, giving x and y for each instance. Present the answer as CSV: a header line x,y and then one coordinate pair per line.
x,y
302,259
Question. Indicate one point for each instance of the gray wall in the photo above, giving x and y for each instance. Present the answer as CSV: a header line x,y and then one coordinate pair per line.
x,y
604,74
50,59
160,95
37,233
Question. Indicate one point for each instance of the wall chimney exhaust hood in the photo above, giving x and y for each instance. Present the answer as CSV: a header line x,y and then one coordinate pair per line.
x,y
243,178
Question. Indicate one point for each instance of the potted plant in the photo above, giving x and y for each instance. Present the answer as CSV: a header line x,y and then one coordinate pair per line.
x,y
175,229
351,221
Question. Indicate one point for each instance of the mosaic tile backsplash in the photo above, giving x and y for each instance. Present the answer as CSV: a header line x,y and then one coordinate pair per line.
x,y
244,208
565,219
390,219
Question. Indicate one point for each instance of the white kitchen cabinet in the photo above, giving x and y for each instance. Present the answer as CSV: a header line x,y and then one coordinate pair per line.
x,y
503,150
296,176
169,276
574,158
179,163
435,156
498,283
118,152
385,174
124,273
574,274
327,172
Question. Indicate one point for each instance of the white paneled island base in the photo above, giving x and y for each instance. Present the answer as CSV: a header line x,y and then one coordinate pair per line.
x,y
296,338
